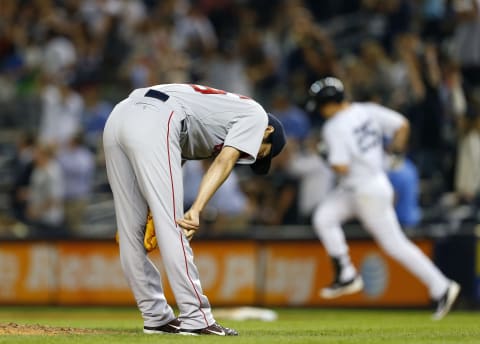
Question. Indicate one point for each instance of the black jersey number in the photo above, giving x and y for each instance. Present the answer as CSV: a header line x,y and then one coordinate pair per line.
x,y
366,136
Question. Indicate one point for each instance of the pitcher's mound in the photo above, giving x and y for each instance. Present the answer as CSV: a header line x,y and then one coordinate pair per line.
x,y
35,329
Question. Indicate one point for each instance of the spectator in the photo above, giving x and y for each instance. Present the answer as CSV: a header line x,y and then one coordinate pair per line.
x,y
61,113
403,176
45,205
399,14
467,178
294,119
225,70
378,63
22,171
60,56
78,166
453,94
312,54
397,18
278,202
425,111
315,178
466,47
260,67
155,56
195,32
436,19
94,116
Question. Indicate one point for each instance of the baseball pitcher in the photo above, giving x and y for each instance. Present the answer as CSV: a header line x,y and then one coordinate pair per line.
x,y
146,138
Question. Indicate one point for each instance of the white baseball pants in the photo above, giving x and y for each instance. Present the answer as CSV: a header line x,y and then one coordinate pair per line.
x,y
372,204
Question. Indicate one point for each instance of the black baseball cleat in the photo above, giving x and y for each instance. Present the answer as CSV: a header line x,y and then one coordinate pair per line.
x,y
171,327
338,288
446,301
214,329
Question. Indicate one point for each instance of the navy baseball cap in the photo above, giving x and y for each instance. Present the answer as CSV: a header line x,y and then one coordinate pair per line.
x,y
278,141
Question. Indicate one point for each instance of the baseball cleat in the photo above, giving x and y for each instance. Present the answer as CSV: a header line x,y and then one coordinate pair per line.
x,y
445,303
214,329
338,288
169,328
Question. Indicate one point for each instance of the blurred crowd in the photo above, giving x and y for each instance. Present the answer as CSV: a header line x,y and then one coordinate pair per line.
x,y
65,63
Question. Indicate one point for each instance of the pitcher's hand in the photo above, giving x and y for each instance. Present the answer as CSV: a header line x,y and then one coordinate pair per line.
x,y
190,223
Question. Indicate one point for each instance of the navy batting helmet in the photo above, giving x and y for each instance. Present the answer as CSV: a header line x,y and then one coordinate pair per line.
x,y
323,91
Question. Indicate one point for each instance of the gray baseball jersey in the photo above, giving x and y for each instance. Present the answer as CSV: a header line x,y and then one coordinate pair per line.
x,y
215,118
145,139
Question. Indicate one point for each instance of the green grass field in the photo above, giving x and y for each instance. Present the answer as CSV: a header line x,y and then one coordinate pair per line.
x,y
124,325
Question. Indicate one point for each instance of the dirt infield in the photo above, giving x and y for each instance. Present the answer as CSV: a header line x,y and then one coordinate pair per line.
x,y
36,329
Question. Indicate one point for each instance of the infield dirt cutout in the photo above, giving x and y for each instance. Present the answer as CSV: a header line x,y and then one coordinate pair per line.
x,y
36,329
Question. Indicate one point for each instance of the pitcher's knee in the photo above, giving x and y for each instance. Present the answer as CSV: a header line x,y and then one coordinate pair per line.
x,y
129,263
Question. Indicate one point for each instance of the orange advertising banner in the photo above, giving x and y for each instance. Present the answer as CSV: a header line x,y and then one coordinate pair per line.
x,y
90,273
232,273
27,274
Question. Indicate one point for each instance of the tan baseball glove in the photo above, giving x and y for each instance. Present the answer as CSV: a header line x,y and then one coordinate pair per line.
x,y
150,239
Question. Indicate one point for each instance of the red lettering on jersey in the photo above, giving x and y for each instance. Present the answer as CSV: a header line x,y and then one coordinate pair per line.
x,y
210,90
207,90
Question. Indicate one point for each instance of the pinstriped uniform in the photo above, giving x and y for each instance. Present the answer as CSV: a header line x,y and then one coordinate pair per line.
x,y
354,138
